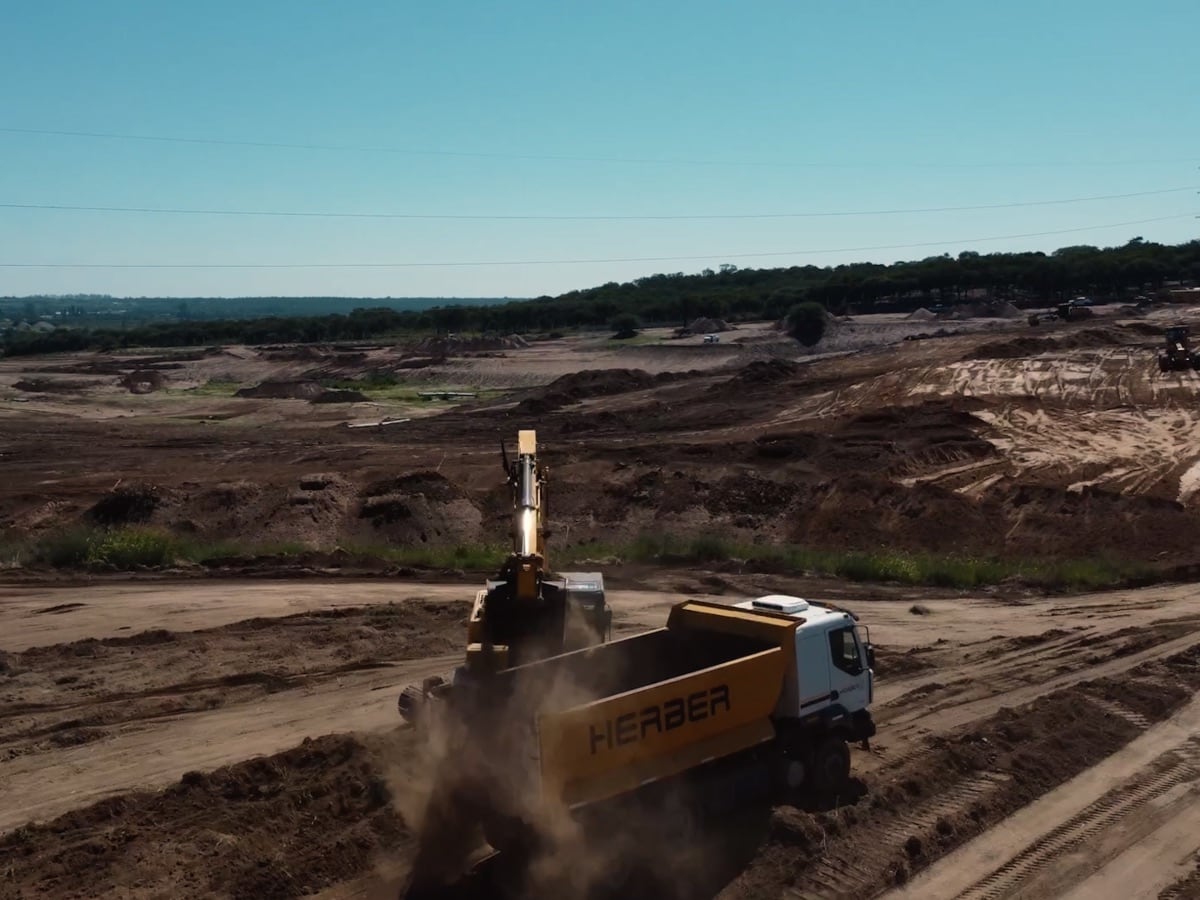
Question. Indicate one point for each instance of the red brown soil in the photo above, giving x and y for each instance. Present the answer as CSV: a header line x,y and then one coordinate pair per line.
x,y
1185,889
578,386
106,685
322,813
682,453
1028,750
274,827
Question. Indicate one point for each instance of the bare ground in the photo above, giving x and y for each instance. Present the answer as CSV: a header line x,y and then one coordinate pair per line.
x,y
984,705
181,737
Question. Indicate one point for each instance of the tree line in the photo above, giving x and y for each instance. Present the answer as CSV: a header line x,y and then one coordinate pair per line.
x,y
729,293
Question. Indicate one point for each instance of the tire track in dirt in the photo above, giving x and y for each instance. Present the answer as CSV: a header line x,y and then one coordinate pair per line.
x,y
1065,835
1178,766
955,711
952,786
852,874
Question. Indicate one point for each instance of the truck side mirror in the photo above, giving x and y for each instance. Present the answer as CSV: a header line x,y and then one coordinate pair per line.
x,y
871,656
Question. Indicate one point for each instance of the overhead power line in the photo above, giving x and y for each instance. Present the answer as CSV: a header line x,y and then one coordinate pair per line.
x,y
157,210
412,151
563,262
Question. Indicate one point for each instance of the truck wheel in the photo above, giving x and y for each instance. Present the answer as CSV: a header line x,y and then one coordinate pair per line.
x,y
831,766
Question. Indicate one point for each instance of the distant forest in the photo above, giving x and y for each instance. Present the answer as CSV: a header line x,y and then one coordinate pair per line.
x,y
103,310
731,293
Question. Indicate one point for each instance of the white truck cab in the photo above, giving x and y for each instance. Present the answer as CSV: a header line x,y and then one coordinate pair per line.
x,y
827,695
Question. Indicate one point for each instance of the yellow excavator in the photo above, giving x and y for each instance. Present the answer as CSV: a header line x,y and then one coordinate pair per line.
x,y
526,613
550,720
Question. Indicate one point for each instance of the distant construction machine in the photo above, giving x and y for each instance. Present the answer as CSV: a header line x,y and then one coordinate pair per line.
x,y
1177,353
726,705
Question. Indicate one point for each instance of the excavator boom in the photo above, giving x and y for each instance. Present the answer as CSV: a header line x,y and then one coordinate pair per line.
x,y
524,615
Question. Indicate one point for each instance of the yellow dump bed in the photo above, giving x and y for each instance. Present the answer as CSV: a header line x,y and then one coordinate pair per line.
x,y
612,718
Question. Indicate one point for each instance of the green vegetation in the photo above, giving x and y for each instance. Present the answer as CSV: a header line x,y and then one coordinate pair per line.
x,y
131,547
883,566
371,381
625,326
730,293
104,310
467,557
214,387
140,547
806,323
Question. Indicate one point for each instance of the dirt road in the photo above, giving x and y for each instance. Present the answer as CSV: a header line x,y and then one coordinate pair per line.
x,y
1125,828
153,682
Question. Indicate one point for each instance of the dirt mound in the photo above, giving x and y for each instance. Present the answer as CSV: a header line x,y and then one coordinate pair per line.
x,y
1144,329
420,508
1077,523
578,386
300,353
283,390
1014,348
764,371
1084,339
994,309
457,345
51,385
922,315
143,381
707,326
133,505
316,513
897,664
341,396
417,362
281,826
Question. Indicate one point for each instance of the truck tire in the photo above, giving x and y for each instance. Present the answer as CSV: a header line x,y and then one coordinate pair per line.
x,y
830,768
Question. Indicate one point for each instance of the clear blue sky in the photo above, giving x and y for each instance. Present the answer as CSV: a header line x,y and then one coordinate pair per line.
x,y
685,108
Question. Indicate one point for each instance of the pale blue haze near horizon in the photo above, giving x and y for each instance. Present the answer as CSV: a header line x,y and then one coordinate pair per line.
x,y
699,108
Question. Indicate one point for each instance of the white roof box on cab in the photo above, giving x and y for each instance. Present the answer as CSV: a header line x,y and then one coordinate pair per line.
x,y
780,603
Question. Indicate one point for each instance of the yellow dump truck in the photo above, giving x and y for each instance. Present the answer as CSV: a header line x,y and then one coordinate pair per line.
x,y
764,694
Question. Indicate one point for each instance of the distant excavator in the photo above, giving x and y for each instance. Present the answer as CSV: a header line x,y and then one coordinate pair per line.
x,y
1177,355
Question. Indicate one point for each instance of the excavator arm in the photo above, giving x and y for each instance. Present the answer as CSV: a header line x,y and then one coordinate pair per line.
x,y
523,615
527,613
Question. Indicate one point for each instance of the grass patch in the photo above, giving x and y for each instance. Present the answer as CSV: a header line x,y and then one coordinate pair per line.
x,y
933,570
386,386
206,551
128,548
372,381
12,553
214,387
65,549
640,340
468,557
133,548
